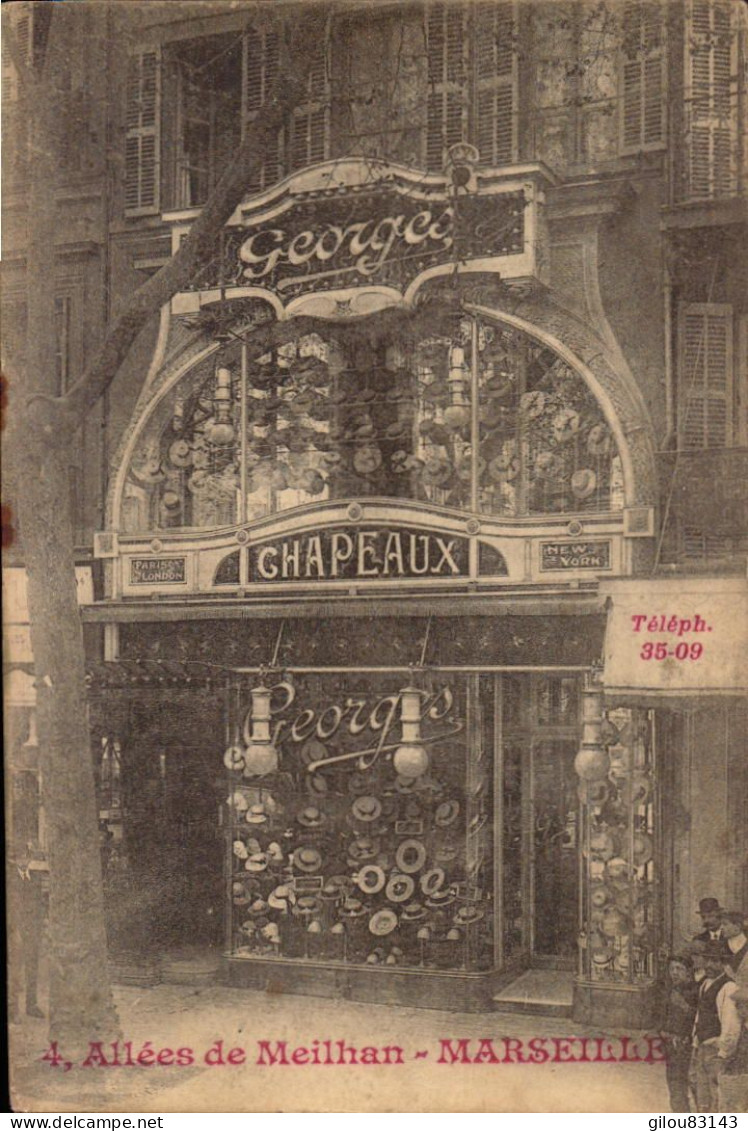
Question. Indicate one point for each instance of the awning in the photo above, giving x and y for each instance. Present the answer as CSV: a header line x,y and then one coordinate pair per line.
x,y
162,655
675,639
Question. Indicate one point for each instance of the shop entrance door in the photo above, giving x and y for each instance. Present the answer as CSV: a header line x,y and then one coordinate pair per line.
x,y
553,852
539,736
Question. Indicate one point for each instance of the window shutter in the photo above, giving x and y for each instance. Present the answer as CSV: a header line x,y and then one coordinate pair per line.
x,y
705,376
642,86
261,65
20,22
142,142
309,130
496,77
711,99
447,44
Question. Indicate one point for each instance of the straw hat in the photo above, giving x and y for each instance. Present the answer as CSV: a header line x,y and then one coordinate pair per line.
x,y
432,881
371,879
366,808
399,888
383,922
410,855
446,813
307,859
311,817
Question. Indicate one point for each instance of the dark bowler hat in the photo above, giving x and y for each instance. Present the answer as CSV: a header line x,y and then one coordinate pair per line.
x,y
709,906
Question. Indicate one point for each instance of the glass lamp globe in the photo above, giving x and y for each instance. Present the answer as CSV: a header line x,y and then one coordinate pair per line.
x,y
411,760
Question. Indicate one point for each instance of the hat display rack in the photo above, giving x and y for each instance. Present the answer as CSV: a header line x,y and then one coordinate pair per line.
x,y
618,937
375,866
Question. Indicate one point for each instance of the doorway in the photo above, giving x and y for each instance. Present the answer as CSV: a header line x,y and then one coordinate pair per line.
x,y
538,738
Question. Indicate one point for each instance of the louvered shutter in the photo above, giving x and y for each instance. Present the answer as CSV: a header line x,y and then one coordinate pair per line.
x,y
711,99
260,68
20,22
142,140
496,77
705,376
447,44
643,99
309,129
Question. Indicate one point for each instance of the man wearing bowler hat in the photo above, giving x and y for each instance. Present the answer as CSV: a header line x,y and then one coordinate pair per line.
x,y
711,921
716,1029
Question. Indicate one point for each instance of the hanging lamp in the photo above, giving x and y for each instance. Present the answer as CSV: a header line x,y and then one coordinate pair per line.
x,y
260,755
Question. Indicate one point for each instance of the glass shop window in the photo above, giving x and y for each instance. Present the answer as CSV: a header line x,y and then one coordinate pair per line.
x,y
382,413
368,839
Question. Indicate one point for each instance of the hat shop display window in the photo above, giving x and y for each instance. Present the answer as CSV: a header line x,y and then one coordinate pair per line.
x,y
388,410
615,766
358,823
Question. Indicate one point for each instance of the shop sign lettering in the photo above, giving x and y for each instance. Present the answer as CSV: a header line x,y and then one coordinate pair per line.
x,y
358,716
157,571
353,554
574,555
324,243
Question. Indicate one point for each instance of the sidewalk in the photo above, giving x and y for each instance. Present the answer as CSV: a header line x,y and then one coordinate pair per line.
x,y
174,1017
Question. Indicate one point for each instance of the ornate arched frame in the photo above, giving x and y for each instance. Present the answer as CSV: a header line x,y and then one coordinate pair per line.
x,y
609,380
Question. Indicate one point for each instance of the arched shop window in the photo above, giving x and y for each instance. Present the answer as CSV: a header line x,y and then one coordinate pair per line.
x,y
383,410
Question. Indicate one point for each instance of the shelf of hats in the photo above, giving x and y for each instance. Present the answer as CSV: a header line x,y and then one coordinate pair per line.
x,y
618,941
384,410
360,835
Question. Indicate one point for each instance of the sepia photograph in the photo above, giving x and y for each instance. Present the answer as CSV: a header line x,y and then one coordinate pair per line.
x,y
375,555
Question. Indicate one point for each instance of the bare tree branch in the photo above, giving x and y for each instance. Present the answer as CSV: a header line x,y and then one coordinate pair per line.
x,y
198,246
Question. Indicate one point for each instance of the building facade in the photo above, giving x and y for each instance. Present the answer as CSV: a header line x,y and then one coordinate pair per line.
x,y
410,518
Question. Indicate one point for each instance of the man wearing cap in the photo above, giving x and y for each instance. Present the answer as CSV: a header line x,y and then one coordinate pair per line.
x,y
734,935
677,1029
716,1029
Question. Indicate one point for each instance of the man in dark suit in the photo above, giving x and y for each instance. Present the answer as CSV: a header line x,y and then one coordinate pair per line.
x,y
711,920
733,931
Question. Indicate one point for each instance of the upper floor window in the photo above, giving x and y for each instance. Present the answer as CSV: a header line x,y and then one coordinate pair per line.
x,y
403,84
711,111
385,413
642,76
712,382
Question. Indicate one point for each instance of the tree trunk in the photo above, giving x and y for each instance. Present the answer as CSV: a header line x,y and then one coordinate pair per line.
x,y
81,1006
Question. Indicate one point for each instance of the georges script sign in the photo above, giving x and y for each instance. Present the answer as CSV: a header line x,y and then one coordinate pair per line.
x,y
347,554
382,237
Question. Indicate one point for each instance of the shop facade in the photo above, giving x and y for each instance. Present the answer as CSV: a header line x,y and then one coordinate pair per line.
x,y
353,627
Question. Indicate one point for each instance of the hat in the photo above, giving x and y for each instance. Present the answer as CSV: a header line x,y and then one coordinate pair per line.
x,y
602,845
317,785
685,959
239,893
432,880
736,917
275,852
240,849
352,909
259,907
312,751
643,850
410,855
257,862
468,914
441,898
307,905
399,888
383,922
446,813
366,808
599,895
307,859
256,815
371,879
233,758
239,801
583,483
710,906
358,783
413,912
311,817
280,897
446,852
363,848
405,785
333,889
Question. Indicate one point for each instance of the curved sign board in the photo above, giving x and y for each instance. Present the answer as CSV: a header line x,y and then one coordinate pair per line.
x,y
347,237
